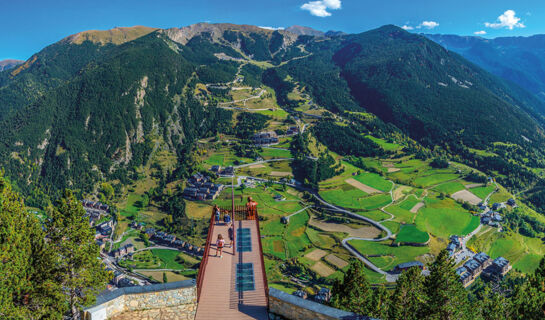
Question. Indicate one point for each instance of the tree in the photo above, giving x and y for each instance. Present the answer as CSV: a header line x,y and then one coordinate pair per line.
x,y
446,298
107,190
165,279
28,287
408,298
80,270
353,293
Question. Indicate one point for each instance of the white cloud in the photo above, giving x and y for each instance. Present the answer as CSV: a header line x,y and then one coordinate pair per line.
x,y
320,8
507,20
272,28
480,33
428,25
406,27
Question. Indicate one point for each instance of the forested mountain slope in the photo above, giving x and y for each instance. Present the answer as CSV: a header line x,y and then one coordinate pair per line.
x,y
91,105
517,59
432,94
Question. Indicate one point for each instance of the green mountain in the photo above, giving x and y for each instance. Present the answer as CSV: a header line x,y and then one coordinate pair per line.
x,y
430,93
95,105
517,59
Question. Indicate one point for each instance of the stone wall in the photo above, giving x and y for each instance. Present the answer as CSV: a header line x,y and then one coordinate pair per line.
x,y
169,301
286,306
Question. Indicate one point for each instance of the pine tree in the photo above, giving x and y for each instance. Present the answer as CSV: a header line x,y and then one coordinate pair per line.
x,y
494,306
408,298
27,285
380,304
353,293
165,279
81,272
446,298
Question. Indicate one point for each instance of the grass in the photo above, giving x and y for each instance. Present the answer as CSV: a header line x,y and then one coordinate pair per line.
x,y
376,215
402,211
501,196
399,255
433,179
410,233
483,192
449,187
444,218
374,181
350,197
269,153
295,236
388,146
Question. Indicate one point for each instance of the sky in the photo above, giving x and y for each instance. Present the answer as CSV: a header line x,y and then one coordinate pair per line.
x,y
29,26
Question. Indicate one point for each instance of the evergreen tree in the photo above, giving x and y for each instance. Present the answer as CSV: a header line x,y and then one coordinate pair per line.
x,y
381,297
446,297
353,293
494,306
27,285
81,272
165,279
408,298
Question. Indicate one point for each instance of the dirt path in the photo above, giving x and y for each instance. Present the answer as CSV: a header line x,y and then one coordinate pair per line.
x,y
416,207
363,232
363,187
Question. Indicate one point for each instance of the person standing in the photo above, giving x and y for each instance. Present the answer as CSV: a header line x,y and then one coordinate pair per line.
x,y
217,214
251,208
227,218
230,231
219,245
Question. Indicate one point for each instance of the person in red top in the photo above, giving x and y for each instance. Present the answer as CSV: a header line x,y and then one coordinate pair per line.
x,y
251,208
219,245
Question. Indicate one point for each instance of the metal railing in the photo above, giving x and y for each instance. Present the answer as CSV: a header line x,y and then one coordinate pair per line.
x,y
237,213
262,260
204,261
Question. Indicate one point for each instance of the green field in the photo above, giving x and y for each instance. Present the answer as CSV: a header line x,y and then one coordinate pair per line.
x,y
388,146
374,181
269,153
449,187
444,218
402,211
410,233
430,180
483,192
160,259
376,215
296,238
399,255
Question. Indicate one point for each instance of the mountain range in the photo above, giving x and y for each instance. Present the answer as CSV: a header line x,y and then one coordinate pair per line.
x,y
520,60
9,63
87,107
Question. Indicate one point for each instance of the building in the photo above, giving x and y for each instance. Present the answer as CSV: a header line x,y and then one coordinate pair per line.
x,y
228,171
473,267
292,131
323,295
511,202
483,259
300,293
215,169
265,138
407,265
123,251
454,245
201,188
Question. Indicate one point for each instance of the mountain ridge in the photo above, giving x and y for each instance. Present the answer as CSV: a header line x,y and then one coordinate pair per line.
x,y
7,64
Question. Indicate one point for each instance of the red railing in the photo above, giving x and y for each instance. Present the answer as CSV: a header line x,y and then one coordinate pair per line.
x,y
262,260
204,261
236,213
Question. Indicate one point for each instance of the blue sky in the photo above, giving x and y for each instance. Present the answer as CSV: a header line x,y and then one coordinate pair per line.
x,y
28,26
